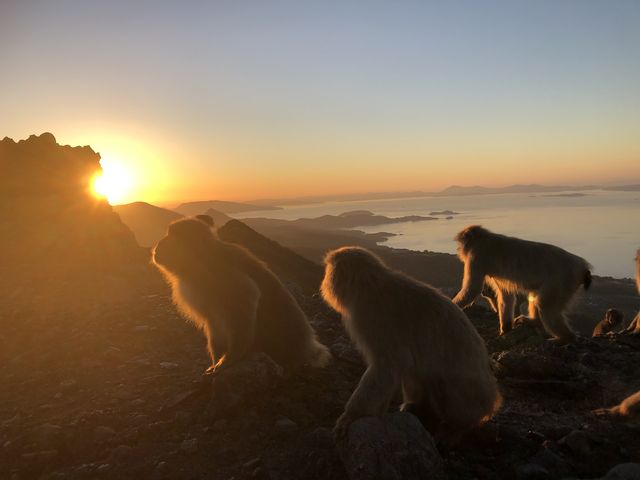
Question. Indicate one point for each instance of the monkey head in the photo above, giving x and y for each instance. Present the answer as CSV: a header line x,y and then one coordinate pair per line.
x,y
466,239
613,317
208,219
349,270
184,246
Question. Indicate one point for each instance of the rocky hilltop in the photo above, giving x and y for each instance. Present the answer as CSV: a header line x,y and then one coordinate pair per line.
x,y
52,229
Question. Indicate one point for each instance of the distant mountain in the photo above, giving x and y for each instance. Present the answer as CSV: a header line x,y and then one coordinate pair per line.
x,y
285,263
147,222
623,188
197,208
452,190
533,188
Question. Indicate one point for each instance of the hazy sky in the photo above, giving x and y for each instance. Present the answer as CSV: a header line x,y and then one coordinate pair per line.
x,y
250,99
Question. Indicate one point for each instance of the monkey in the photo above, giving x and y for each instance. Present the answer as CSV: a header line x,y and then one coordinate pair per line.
x,y
235,299
413,339
634,326
548,274
612,318
628,408
522,302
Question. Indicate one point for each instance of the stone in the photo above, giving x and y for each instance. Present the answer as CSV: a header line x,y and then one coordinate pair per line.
x,y
624,471
532,471
577,442
392,447
190,445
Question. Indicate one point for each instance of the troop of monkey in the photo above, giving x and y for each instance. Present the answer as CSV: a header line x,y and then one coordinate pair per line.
x,y
412,337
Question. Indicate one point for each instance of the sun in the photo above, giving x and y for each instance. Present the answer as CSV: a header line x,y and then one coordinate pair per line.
x,y
114,183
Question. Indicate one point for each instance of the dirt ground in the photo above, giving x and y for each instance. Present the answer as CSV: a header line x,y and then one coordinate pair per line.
x,y
115,390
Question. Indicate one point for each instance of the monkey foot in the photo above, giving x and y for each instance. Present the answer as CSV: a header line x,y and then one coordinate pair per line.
x,y
212,370
524,320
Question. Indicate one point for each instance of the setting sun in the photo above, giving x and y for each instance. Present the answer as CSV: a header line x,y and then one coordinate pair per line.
x,y
114,183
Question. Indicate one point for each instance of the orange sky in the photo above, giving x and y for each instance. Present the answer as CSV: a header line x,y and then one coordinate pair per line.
x,y
243,102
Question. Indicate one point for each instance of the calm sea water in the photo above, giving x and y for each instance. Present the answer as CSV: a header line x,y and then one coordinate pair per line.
x,y
603,227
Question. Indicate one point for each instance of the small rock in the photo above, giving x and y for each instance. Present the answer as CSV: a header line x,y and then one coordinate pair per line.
x,y
286,425
102,433
48,434
161,470
68,384
624,471
220,425
251,464
120,454
190,445
578,442
551,461
532,471
182,417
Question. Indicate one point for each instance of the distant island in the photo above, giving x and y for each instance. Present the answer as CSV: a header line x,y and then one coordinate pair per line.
x,y
355,218
569,195
448,213
454,190
200,207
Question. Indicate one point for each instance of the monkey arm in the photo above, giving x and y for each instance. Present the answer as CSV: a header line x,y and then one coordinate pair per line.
x,y
372,396
241,326
472,284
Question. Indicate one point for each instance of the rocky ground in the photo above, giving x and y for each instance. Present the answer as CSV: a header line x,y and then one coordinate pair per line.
x,y
115,390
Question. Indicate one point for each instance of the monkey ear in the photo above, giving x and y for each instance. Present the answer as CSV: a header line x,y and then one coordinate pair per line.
x,y
469,233
205,219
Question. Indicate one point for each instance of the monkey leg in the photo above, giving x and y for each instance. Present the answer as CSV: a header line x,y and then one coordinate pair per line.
x,y
506,305
550,305
472,284
415,402
215,346
634,326
371,397
489,295
240,329
533,306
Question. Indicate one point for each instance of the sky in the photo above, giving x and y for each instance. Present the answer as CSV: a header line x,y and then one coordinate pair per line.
x,y
241,100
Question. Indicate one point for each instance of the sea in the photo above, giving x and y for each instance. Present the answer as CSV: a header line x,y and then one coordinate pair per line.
x,y
600,226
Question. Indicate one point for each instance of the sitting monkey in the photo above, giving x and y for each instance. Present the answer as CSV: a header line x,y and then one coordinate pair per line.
x,y
240,305
412,337
612,318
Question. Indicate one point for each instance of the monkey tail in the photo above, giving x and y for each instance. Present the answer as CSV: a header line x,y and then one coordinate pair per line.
x,y
320,355
586,281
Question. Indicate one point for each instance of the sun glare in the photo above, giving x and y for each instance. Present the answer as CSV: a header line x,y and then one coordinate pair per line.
x,y
114,183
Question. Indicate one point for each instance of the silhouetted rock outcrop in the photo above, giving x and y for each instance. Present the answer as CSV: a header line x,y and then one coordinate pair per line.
x,y
51,227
